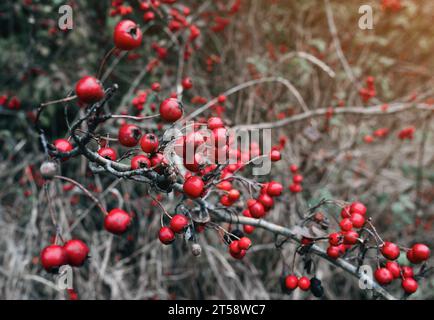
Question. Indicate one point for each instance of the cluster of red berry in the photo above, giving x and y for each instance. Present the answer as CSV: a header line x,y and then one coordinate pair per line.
x,y
12,103
369,92
74,252
297,180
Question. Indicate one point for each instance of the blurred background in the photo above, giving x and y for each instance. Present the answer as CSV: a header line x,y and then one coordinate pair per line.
x,y
316,45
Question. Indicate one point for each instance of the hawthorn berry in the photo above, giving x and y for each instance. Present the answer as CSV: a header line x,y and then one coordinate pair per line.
x,y
127,35
49,169
108,153
89,90
193,187
77,252
420,252
407,272
346,224
117,221
166,235
129,135
293,168
291,282
357,220
351,237
214,123
409,285
304,283
383,276
297,179
140,161
390,250
333,252
358,207
178,223
335,239
274,189
234,247
233,194
295,188
244,243
186,83
53,257
266,200
256,209
345,212
170,110
62,145
394,269
149,143
275,155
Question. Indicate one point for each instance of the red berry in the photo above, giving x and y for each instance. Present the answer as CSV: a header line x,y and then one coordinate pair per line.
x,y
351,237
148,16
295,188
129,135
248,229
238,255
297,179
410,257
291,282
127,35
166,235
108,153
345,212
407,272
140,161
234,194
53,257
234,247
421,252
304,283
409,285
89,90
170,110
383,276
62,145
77,252
358,207
357,220
178,223
335,239
390,250
333,252
224,200
346,224
117,221
155,87
393,267
293,168
275,155
266,200
193,187
256,209
224,185
274,189
149,143
186,83
214,123
244,243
